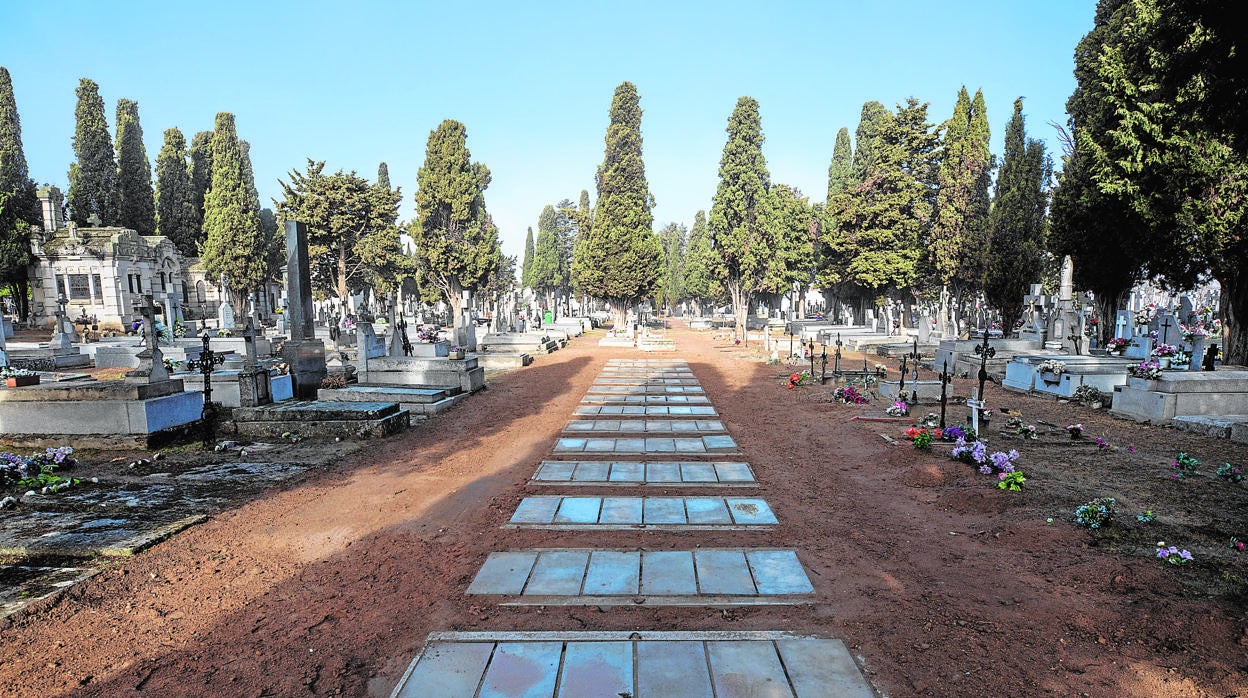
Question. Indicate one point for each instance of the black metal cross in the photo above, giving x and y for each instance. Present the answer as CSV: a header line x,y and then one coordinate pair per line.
x,y
401,324
985,352
901,387
811,352
207,362
944,383
823,377
836,369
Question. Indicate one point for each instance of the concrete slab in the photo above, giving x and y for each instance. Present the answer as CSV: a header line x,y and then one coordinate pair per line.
x,y
522,670
743,668
21,585
820,667
621,510
665,510
592,471
597,669
723,572
648,426
555,471
626,471
664,472
747,511
578,510
668,573
673,669
612,573
451,670
721,444
558,573
777,572
698,472
503,573
707,510
536,510
592,513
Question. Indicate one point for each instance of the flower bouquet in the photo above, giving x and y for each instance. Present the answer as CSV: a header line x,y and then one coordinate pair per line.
x,y
1117,345
1165,351
1148,370
1052,366
898,409
427,333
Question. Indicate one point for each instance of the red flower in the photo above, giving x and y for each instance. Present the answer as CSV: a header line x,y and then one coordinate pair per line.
x,y
912,432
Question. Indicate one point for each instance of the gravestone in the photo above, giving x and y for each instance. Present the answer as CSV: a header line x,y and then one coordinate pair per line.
x,y
1186,311
1124,324
151,360
64,335
225,313
371,346
253,381
925,327
304,352
1168,330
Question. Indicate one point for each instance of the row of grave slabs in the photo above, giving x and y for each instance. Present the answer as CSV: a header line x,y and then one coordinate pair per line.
x,y
644,424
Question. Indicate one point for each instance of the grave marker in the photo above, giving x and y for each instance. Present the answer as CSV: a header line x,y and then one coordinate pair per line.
x,y
304,353
151,367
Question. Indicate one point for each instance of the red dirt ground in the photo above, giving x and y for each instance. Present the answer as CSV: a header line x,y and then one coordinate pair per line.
x,y
939,583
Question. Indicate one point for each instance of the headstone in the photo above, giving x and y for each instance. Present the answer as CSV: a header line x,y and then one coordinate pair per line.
x,y
151,367
304,353
1168,330
925,327
225,312
64,336
1124,324
1186,310
4,358
371,346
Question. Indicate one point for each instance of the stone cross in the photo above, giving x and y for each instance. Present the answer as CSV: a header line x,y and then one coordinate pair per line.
x,y
151,360
64,335
249,345
976,406
94,220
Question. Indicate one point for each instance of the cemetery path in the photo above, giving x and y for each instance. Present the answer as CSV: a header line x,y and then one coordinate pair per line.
x,y
939,583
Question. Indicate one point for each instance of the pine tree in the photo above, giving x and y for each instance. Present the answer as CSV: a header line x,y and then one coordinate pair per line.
x,y
700,285
93,177
175,212
743,220
135,203
19,208
201,176
526,271
619,259
957,247
456,242
383,176
841,171
547,273
234,246
1017,222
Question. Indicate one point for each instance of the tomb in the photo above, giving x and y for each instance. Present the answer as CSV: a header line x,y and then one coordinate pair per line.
x,y
1178,394
1023,374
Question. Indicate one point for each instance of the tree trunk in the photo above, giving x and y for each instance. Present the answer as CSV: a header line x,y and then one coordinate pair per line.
x,y
341,282
1233,307
454,297
740,309
619,314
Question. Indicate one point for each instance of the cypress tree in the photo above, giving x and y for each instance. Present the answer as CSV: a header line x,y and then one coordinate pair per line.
x,y
546,273
234,245
841,171
673,237
456,242
526,277
619,260
872,118
1017,222
700,285
201,176
175,213
93,177
383,176
793,261
743,220
19,206
135,203
957,246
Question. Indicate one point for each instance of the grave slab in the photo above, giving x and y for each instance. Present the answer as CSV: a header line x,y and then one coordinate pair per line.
x,y
674,669
778,572
597,669
746,668
668,573
707,510
579,510
613,572
451,670
723,572
586,513
503,573
621,510
558,573
522,670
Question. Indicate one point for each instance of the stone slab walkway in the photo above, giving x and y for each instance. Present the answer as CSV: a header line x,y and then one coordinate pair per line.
x,y
669,473
639,665
718,445
684,577
645,411
645,390
647,426
603,513
646,400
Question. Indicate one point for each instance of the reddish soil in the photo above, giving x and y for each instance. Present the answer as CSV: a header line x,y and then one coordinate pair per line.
x,y
940,583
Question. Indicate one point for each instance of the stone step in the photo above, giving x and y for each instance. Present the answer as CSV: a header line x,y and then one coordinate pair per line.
x,y
634,473
643,381
614,513
322,418
645,399
645,390
645,426
721,444
636,664
645,411
582,576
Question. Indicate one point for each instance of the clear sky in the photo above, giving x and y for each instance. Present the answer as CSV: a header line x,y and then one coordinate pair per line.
x,y
361,82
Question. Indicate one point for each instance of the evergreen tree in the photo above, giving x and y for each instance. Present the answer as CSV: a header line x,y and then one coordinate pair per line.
x,y
175,212
526,273
619,259
874,241
136,205
793,262
383,176
1017,222
700,285
93,177
671,287
874,115
841,171
547,271
201,177
743,220
456,242
353,236
233,246
19,206
954,256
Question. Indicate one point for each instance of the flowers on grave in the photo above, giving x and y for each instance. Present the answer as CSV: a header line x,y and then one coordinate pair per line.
x,y
1075,430
36,471
1027,431
225,333
282,368
1229,473
881,369
1192,332
1174,556
1012,481
1096,513
427,334
11,372
799,379
1164,351
1089,396
179,329
1014,422
849,395
1148,370
898,409
929,421
1117,345
923,439
975,453
1184,466
1052,366
952,433
348,323
334,380
171,365
1145,315
1236,544
1146,517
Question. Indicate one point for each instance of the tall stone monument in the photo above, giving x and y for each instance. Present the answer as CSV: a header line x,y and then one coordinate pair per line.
x,y
303,351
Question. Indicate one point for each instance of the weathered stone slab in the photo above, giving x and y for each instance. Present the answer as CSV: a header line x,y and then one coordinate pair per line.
x,y
744,668
750,512
668,573
707,510
558,573
778,572
451,670
520,669
613,573
597,669
723,572
503,573
673,669
818,667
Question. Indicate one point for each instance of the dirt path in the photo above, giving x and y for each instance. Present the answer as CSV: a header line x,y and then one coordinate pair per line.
x,y
939,583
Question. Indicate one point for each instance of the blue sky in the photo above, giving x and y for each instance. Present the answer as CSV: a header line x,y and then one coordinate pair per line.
x,y
357,83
